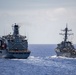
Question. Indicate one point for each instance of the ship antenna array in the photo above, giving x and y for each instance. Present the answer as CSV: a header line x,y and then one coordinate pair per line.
x,y
15,28
13,25
66,30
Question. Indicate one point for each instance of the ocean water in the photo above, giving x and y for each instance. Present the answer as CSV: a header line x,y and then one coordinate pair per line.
x,y
42,61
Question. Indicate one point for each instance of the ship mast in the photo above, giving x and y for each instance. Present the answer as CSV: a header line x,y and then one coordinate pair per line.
x,y
16,30
66,30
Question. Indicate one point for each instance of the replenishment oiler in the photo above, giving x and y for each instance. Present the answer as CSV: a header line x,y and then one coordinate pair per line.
x,y
66,48
14,46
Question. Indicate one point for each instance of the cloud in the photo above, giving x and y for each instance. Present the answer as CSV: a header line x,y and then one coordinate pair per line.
x,y
39,24
60,10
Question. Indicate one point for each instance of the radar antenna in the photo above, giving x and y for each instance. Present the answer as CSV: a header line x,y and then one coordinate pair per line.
x,y
66,30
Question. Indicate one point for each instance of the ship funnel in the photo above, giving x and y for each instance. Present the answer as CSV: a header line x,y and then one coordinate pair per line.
x,y
16,29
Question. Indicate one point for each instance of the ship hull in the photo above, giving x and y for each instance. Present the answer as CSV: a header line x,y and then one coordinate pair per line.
x,y
3,53
18,55
66,54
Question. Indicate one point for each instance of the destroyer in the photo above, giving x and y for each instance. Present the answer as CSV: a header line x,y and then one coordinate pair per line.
x,y
66,48
14,46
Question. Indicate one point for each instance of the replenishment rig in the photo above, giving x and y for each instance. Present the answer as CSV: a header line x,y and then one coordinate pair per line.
x,y
14,46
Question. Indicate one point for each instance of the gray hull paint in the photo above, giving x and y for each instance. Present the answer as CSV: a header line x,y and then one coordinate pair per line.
x,y
19,55
66,48
5,54
14,45
66,54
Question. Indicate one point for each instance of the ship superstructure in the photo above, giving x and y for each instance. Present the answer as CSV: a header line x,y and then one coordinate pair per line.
x,y
16,45
66,48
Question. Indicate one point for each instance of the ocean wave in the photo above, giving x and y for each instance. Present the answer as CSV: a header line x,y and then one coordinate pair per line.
x,y
55,56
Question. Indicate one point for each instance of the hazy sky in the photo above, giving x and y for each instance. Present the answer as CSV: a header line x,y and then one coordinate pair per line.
x,y
40,20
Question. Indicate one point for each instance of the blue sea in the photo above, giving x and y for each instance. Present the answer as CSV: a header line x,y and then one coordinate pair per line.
x,y
42,61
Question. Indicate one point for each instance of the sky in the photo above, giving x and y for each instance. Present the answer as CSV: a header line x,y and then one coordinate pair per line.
x,y
40,20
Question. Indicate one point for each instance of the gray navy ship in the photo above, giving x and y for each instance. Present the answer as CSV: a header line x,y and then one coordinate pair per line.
x,y
14,46
66,48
